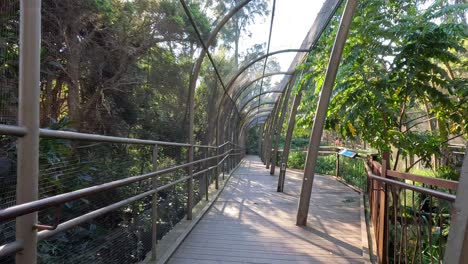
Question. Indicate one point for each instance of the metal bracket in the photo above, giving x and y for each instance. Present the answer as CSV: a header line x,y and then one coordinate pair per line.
x,y
40,227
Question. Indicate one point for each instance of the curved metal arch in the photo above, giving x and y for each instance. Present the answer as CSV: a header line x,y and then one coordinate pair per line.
x,y
250,83
254,104
258,106
238,94
258,95
196,69
240,71
260,119
257,112
265,114
252,62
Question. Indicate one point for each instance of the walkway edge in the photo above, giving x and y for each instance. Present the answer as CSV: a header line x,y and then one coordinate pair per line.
x,y
168,254
364,235
366,246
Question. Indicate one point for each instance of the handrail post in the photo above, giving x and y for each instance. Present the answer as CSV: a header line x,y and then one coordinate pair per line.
x,y
224,168
382,239
321,112
230,159
337,165
28,117
279,126
287,141
154,208
190,185
207,183
217,170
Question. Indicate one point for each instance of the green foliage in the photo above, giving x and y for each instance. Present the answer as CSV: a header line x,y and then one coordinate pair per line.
x,y
252,140
325,164
399,57
296,160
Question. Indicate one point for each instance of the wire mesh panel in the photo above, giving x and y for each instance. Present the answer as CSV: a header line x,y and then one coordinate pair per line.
x,y
9,57
122,236
353,171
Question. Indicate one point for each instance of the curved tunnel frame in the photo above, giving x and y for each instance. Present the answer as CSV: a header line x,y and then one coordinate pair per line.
x,y
197,66
246,86
195,74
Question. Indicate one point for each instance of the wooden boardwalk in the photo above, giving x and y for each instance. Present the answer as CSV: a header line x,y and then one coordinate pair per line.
x,y
252,223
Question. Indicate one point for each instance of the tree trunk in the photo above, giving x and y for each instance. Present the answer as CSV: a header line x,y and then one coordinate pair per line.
x,y
431,128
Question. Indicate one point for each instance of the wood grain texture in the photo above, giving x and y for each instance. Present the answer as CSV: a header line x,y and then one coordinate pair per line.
x,y
252,223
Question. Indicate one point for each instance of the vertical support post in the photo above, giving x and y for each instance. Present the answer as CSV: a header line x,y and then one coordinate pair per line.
x,y
321,112
207,182
203,182
217,169
154,209
260,132
287,142
337,165
224,168
279,127
266,136
261,139
272,131
190,185
229,159
28,146
382,238
457,244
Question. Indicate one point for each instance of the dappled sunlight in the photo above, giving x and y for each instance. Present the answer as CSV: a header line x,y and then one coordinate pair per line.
x,y
251,222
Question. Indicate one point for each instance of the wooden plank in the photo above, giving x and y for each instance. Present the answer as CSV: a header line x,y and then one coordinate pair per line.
x,y
191,224
251,222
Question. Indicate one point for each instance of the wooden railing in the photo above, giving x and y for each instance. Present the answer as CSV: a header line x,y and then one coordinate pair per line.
x,y
410,214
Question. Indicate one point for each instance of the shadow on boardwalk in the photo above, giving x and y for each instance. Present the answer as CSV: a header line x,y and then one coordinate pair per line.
x,y
252,223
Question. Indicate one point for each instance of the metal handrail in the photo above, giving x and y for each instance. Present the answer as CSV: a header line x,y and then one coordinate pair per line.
x,y
26,208
12,130
91,215
109,139
16,246
438,194
61,134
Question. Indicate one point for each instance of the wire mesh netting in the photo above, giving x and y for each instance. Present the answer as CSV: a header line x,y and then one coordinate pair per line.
x,y
9,42
123,234
129,69
9,48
